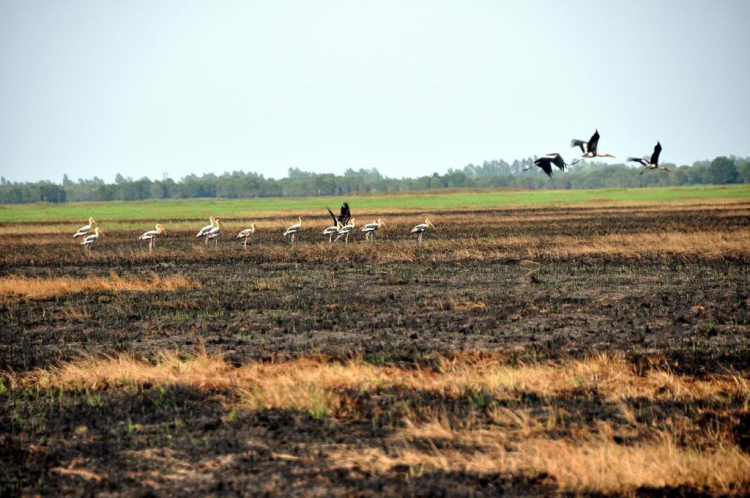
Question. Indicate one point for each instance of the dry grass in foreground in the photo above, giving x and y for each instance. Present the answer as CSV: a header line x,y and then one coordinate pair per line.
x,y
15,286
595,425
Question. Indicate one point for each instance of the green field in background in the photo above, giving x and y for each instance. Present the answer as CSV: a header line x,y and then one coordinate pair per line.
x,y
426,201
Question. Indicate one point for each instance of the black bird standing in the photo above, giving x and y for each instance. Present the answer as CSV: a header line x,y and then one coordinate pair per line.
x,y
653,163
342,218
546,162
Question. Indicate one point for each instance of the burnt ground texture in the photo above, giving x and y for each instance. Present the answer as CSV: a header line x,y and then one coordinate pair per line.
x,y
528,284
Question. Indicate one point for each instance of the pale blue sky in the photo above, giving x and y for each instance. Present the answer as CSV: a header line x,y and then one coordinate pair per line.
x,y
146,87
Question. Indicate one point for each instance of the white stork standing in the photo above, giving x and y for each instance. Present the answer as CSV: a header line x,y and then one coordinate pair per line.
x,y
331,230
215,231
344,231
204,231
151,236
653,163
90,239
292,230
370,228
546,162
589,148
246,233
420,229
86,228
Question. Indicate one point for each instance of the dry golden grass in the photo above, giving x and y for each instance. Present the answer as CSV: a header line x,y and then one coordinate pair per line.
x,y
592,463
15,286
520,440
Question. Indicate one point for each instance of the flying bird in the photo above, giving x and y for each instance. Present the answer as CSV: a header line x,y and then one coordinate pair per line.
x,y
246,233
653,163
370,228
342,218
546,162
86,228
89,240
292,230
420,229
589,148
345,230
151,236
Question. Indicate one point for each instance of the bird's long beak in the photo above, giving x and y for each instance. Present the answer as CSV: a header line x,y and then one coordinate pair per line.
x,y
383,223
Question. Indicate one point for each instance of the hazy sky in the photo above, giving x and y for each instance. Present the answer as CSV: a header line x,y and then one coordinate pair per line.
x,y
151,87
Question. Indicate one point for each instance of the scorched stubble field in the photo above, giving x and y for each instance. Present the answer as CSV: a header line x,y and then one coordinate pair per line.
x,y
592,347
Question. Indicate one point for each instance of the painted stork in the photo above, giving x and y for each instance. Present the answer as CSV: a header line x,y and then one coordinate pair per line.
x,y
345,230
86,228
420,229
215,231
246,233
589,148
292,230
90,239
546,162
342,218
204,231
332,230
151,236
370,228
653,163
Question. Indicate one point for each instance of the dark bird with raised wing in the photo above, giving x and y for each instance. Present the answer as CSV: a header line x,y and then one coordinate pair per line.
x,y
343,217
653,163
546,162
589,148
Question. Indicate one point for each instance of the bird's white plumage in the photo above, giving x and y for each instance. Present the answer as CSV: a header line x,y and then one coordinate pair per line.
x,y
85,229
294,228
89,240
206,229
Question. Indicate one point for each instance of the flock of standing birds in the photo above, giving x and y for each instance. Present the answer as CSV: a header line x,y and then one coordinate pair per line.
x,y
344,224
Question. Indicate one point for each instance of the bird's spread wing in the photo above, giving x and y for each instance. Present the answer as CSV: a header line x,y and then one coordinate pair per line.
x,y
558,161
643,162
655,155
578,143
335,220
594,142
545,164
345,213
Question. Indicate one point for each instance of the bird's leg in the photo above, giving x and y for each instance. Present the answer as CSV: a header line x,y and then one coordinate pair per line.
x,y
291,241
245,244
205,241
420,237
150,245
346,239
330,239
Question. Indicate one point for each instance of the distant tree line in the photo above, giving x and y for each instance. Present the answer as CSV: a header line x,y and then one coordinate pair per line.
x,y
491,174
